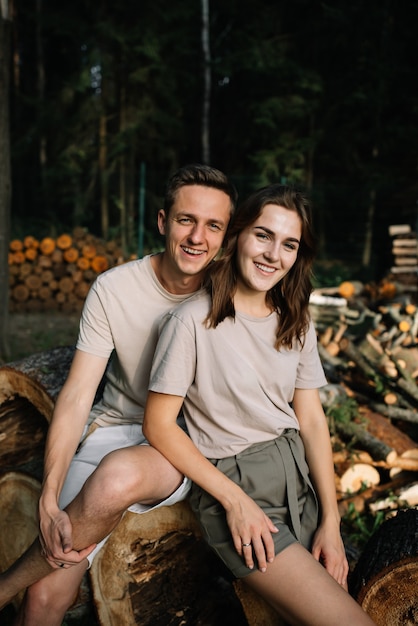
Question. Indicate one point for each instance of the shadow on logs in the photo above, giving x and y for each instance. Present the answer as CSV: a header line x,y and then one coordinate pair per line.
x,y
28,390
156,570
384,580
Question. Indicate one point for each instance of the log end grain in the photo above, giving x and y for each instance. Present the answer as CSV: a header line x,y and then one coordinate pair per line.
x,y
391,598
384,579
19,494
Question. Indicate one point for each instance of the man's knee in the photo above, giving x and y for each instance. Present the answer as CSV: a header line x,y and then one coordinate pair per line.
x,y
117,479
46,599
136,474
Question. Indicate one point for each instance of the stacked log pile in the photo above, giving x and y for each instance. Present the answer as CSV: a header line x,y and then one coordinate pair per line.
x,y
55,274
405,256
370,355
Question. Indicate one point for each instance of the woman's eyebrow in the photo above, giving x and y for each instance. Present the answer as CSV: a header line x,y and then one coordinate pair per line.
x,y
270,232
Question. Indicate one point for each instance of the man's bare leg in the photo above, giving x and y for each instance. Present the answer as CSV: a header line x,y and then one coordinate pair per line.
x,y
47,601
136,474
31,566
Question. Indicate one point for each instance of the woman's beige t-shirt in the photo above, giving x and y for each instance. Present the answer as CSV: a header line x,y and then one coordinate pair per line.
x,y
239,387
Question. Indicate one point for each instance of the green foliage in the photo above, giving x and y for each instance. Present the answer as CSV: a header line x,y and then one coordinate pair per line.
x,y
360,526
343,413
331,273
279,109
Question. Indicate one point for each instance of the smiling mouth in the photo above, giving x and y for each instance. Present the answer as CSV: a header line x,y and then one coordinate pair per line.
x,y
265,268
192,251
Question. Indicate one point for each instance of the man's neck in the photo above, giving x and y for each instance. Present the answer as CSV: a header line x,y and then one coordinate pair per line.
x,y
176,283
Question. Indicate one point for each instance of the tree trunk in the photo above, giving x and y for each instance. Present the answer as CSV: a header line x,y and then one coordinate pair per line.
x,y
206,82
368,242
41,97
5,176
104,198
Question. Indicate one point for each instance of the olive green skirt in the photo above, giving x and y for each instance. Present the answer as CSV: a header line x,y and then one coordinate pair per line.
x,y
275,475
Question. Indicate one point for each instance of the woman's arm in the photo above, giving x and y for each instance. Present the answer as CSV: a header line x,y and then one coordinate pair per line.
x,y
247,522
327,545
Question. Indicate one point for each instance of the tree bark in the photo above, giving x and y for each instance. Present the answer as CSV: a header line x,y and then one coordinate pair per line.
x,y
5,175
156,570
206,82
384,579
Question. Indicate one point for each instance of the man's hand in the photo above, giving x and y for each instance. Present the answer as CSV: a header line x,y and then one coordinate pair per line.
x,y
56,541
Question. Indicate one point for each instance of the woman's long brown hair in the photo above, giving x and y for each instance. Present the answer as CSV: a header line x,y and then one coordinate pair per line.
x,y
290,297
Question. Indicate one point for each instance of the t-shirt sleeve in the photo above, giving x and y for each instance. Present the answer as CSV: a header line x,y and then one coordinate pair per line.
x,y
95,336
174,364
310,373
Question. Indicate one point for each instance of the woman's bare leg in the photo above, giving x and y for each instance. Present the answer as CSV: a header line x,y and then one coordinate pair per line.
x,y
304,594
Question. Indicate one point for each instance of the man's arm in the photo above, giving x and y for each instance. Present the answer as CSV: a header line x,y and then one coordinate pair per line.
x,y
69,418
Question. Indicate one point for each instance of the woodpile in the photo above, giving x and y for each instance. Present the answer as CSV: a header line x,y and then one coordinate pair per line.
x,y
405,256
369,350
55,274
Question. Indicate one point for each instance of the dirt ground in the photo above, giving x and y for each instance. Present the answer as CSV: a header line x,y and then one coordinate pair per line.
x,y
30,333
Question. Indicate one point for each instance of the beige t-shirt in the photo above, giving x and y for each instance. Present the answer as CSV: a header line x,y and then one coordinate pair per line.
x,y
239,387
120,319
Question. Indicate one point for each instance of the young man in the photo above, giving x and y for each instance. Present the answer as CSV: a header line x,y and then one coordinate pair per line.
x,y
95,466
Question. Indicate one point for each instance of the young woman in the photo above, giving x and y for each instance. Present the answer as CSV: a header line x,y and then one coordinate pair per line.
x,y
242,355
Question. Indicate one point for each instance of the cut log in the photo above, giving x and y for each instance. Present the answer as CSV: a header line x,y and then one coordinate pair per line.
x,y
22,433
28,390
381,428
358,476
64,241
359,437
47,246
19,494
405,497
333,346
156,569
384,579
399,229
38,377
257,611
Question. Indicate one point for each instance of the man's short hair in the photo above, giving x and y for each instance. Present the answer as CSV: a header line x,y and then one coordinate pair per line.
x,y
198,174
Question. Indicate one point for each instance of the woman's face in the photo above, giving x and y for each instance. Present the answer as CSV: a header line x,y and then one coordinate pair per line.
x,y
267,250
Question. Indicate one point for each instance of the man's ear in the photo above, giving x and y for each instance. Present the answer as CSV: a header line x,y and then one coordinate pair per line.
x,y
161,222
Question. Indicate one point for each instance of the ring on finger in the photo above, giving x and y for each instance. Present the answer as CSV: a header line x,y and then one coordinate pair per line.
x,y
246,545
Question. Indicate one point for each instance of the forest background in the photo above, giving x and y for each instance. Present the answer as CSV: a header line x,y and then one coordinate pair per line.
x,y
101,100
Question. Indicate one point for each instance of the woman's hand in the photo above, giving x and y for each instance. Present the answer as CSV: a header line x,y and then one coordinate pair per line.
x,y
328,549
251,531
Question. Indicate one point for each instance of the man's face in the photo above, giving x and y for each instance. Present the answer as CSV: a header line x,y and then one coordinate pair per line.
x,y
195,228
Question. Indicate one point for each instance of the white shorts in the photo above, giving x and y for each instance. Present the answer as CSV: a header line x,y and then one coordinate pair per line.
x,y
97,445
